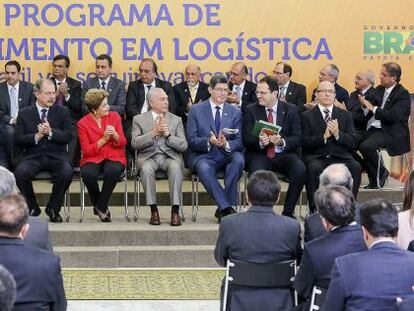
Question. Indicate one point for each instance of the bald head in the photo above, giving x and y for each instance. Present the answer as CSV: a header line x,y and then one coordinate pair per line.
x,y
364,79
336,175
238,73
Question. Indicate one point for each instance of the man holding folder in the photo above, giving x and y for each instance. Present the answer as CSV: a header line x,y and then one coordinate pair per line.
x,y
215,143
275,150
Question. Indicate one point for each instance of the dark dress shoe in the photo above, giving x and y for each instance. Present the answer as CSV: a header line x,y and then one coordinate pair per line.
x,y
371,186
228,211
35,212
217,214
175,219
155,218
53,215
383,178
103,216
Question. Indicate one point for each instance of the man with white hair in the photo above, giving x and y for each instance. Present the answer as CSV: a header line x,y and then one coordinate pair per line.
x,y
159,137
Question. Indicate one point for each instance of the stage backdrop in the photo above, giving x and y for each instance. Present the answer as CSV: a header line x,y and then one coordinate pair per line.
x,y
353,34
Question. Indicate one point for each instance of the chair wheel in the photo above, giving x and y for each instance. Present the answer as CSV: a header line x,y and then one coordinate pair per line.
x,y
183,219
67,218
194,218
135,218
127,219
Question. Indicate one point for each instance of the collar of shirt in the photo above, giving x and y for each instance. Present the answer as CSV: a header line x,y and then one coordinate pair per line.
x,y
154,115
322,108
241,86
274,108
39,109
286,85
354,223
195,87
146,85
365,90
213,108
382,240
106,82
389,90
64,80
16,87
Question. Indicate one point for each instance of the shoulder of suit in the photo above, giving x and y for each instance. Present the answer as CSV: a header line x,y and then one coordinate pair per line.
x,y
181,85
251,84
118,81
163,83
74,81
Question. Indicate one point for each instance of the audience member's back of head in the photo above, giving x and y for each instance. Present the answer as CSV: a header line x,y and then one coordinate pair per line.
x,y
7,290
379,218
263,188
14,214
336,205
336,175
7,181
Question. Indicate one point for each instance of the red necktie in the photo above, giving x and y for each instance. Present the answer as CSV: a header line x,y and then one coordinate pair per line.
x,y
270,147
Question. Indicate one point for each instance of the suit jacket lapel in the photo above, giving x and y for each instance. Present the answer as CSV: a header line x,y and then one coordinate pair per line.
x,y
280,113
21,95
7,97
141,92
209,116
225,116
111,85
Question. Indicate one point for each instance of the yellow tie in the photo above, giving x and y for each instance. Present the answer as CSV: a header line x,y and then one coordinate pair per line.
x,y
193,93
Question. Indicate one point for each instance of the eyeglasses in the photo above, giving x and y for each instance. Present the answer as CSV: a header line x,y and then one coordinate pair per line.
x,y
261,93
220,90
329,92
278,73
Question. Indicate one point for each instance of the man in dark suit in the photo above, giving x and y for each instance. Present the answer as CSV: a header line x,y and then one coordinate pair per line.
x,y
14,95
68,94
364,85
44,130
387,111
215,143
104,80
189,92
336,205
136,102
289,91
242,92
333,175
328,136
279,151
259,236
372,280
38,235
37,273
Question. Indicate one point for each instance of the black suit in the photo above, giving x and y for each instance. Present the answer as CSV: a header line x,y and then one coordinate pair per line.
x,y
341,94
258,236
74,104
47,155
25,98
286,162
37,274
354,107
182,96
319,256
313,227
394,134
296,94
318,155
249,94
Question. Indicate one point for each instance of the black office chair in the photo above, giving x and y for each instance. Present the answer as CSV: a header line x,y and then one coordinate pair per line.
x,y
270,275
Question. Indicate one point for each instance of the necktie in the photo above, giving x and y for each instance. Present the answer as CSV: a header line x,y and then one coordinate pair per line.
x,y
238,92
14,105
193,93
43,115
282,93
217,120
327,116
103,84
59,99
270,148
384,99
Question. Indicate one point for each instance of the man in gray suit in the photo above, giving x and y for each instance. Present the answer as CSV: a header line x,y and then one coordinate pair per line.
x,y
104,80
159,137
38,234
14,95
259,236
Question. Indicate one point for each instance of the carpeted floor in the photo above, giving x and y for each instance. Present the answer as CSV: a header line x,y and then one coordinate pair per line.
x,y
126,284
